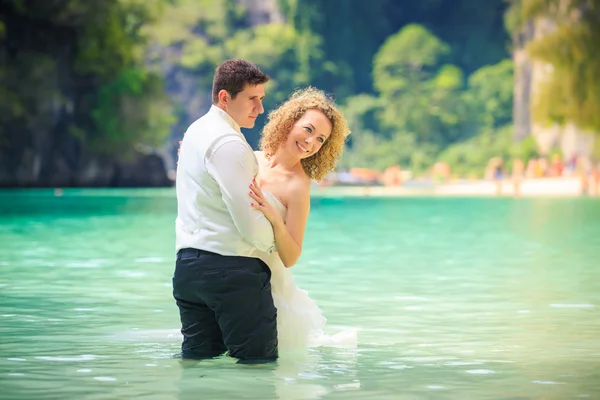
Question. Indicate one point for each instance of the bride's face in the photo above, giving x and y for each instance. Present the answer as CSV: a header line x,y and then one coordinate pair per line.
x,y
308,134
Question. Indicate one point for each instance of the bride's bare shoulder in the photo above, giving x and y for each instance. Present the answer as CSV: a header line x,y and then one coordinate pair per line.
x,y
300,184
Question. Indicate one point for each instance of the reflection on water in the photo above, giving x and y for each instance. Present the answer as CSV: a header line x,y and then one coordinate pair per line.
x,y
453,298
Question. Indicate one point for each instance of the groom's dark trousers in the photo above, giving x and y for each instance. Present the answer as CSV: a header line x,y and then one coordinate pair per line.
x,y
225,303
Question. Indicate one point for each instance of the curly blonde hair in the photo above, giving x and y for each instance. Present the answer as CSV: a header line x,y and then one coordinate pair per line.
x,y
282,119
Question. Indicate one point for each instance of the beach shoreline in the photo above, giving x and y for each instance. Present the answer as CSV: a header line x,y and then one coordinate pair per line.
x,y
543,187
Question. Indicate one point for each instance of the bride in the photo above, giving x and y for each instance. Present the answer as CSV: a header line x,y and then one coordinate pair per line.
x,y
301,142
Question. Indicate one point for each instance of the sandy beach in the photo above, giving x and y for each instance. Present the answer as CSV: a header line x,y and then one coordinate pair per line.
x,y
546,187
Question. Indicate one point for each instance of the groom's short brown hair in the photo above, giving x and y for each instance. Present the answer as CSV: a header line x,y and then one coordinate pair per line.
x,y
233,75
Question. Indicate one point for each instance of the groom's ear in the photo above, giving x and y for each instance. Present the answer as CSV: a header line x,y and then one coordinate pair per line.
x,y
223,97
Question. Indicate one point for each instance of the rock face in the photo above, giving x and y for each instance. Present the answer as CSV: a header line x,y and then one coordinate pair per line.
x,y
141,171
53,158
523,83
46,154
529,73
262,11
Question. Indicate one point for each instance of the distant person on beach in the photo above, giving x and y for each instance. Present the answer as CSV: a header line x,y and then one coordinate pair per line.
x,y
495,172
441,172
556,167
518,174
596,179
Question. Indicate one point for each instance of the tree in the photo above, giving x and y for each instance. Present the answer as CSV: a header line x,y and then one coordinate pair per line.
x,y
421,92
490,94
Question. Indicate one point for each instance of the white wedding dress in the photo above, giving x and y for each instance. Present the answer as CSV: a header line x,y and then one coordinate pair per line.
x,y
300,322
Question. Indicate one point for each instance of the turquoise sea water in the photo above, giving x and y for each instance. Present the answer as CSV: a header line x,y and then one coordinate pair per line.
x,y
454,298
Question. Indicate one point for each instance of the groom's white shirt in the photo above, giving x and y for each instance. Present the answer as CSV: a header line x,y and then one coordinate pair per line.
x,y
216,166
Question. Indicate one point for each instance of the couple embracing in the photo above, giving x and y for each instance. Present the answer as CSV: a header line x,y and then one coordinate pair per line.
x,y
242,216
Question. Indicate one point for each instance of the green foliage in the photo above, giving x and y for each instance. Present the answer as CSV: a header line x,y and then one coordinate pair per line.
x,y
87,81
470,157
514,19
424,108
129,105
353,31
131,109
490,94
372,149
422,94
105,49
25,92
406,59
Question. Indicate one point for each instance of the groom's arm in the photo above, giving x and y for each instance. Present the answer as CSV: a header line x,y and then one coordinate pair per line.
x,y
233,166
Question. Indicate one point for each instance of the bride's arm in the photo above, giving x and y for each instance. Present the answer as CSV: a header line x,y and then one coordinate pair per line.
x,y
289,234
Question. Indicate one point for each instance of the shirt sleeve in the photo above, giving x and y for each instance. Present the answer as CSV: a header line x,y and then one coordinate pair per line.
x,y
232,164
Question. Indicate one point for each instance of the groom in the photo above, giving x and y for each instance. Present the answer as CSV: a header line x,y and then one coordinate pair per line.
x,y
222,289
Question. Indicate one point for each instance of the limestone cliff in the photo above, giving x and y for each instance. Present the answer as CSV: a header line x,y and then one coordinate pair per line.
x,y
529,75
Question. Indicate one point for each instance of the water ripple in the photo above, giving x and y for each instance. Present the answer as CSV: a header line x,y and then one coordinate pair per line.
x,y
468,297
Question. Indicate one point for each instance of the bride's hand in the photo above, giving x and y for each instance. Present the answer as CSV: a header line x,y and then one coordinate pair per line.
x,y
262,205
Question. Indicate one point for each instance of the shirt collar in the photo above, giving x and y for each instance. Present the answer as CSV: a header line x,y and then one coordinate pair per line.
x,y
223,114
